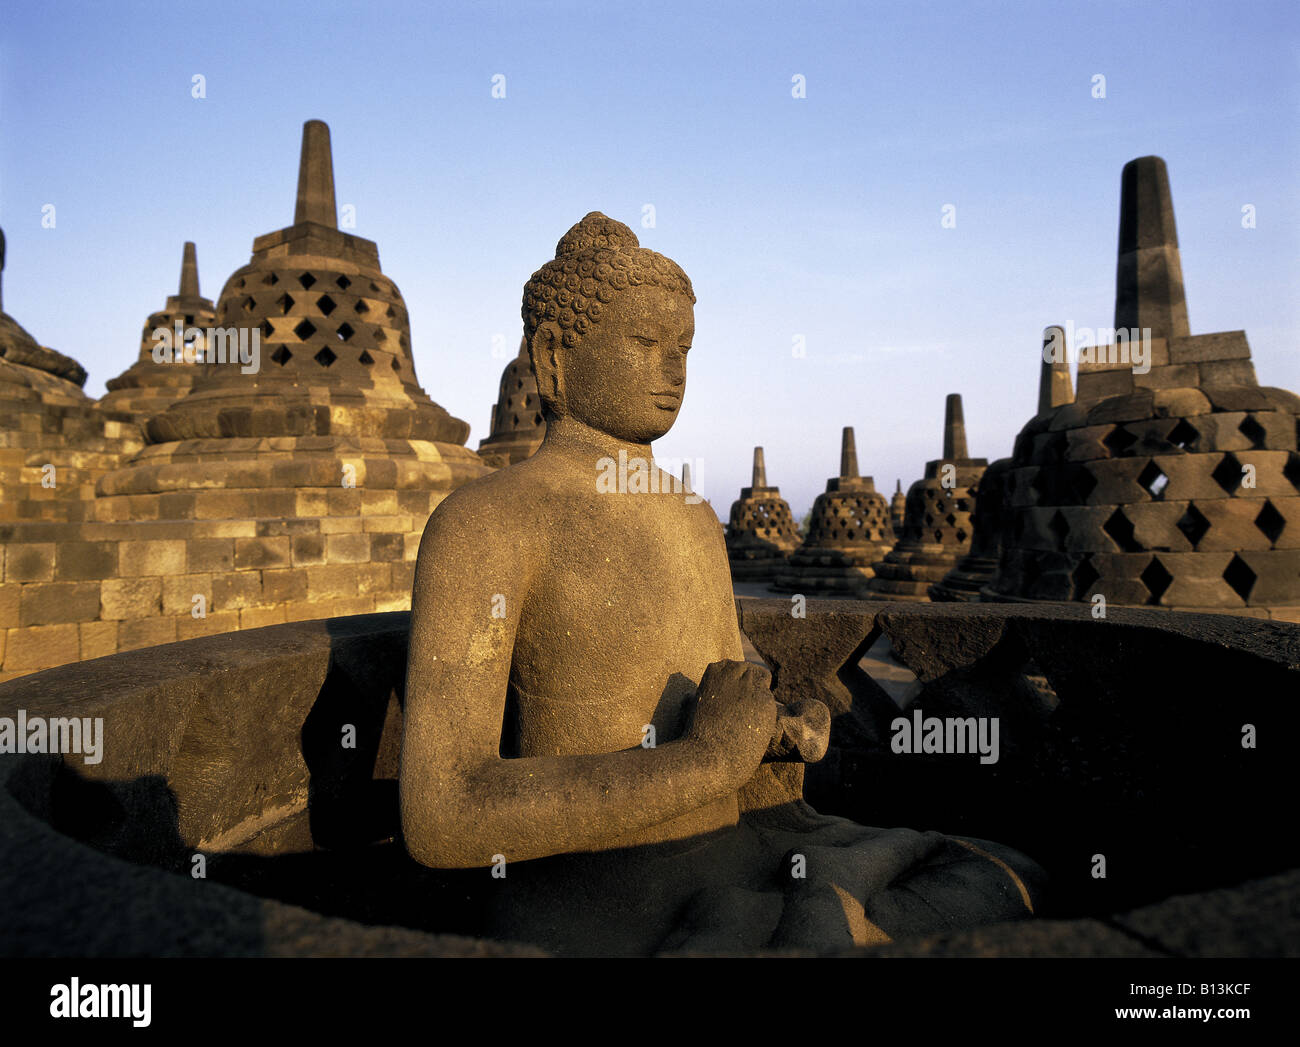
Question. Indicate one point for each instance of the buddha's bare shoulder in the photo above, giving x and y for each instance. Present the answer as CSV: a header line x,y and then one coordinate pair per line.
x,y
505,510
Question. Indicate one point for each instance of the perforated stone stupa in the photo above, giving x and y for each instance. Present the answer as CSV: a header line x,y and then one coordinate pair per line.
x,y
976,569
292,482
148,387
1177,486
849,530
761,531
938,525
897,509
53,444
517,423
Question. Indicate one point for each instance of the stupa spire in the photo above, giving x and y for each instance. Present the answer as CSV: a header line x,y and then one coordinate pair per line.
x,y
1149,271
848,454
316,177
760,470
1054,387
189,287
2,270
954,428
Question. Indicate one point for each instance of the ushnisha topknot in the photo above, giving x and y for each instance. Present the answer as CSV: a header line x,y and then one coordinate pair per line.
x,y
595,260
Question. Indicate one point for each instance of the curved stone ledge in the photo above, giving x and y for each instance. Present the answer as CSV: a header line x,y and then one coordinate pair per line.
x,y
1119,736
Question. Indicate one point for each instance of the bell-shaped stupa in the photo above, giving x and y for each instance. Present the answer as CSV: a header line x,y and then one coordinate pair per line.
x,y
938,525
848,531
517,423
976,569
897,509
1173,478
54,446
307,394
761,531
154,382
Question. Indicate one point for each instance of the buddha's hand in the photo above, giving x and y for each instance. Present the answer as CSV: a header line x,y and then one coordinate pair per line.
x,y
733,716
803,732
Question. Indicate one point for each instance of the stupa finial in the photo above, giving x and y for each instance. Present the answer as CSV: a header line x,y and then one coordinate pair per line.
x,y
1149,272
954,428
760,470
189,271
848,454
1054,387
316,177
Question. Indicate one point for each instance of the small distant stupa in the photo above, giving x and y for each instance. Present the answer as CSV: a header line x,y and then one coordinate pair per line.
x,y
761,531
897,509
148,387
938,525
849,530
517,423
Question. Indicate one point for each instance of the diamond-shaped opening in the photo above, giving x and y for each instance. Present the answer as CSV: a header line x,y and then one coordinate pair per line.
x,y
345,332
361,308
365,359
285,302
374,287
326,304
1085,576
929,520
1060,527
189,319
1156,579
1240,577
1292,468
938,536
389,312
1120,529
1119,440
267,329
1252,431
1227,474
271,280
1044,485
343,282
1183,435
963,505
397,364
961,535
241,283
1193,524
326,356
306,279
1270,522
305,329
1082,483
282,355
380,334
952,520
249,304
1153,480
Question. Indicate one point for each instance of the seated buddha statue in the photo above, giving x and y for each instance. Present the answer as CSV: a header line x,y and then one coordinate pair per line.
x,y
579,717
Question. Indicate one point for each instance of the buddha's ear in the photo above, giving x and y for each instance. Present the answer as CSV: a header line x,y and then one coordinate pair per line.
x,y
546,350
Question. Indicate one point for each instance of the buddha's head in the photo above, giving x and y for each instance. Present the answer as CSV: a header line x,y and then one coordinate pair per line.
x,y
608,323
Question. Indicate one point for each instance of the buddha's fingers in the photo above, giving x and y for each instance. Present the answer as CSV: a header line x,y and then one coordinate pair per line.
x,y
803,732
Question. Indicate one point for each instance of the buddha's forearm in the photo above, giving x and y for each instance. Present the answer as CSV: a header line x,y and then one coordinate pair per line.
x,y
538,806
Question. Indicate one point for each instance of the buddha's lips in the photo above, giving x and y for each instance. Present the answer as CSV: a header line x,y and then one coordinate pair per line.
x,y
674,397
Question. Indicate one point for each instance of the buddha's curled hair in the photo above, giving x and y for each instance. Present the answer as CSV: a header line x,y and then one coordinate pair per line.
x,y
595,260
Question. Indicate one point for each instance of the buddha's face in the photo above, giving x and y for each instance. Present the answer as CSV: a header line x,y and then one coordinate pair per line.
x,y
627,374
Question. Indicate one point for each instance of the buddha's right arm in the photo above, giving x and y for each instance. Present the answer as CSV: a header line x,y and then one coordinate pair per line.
x,y
461,803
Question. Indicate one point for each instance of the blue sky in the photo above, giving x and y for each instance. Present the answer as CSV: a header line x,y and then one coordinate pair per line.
x,y
817,216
